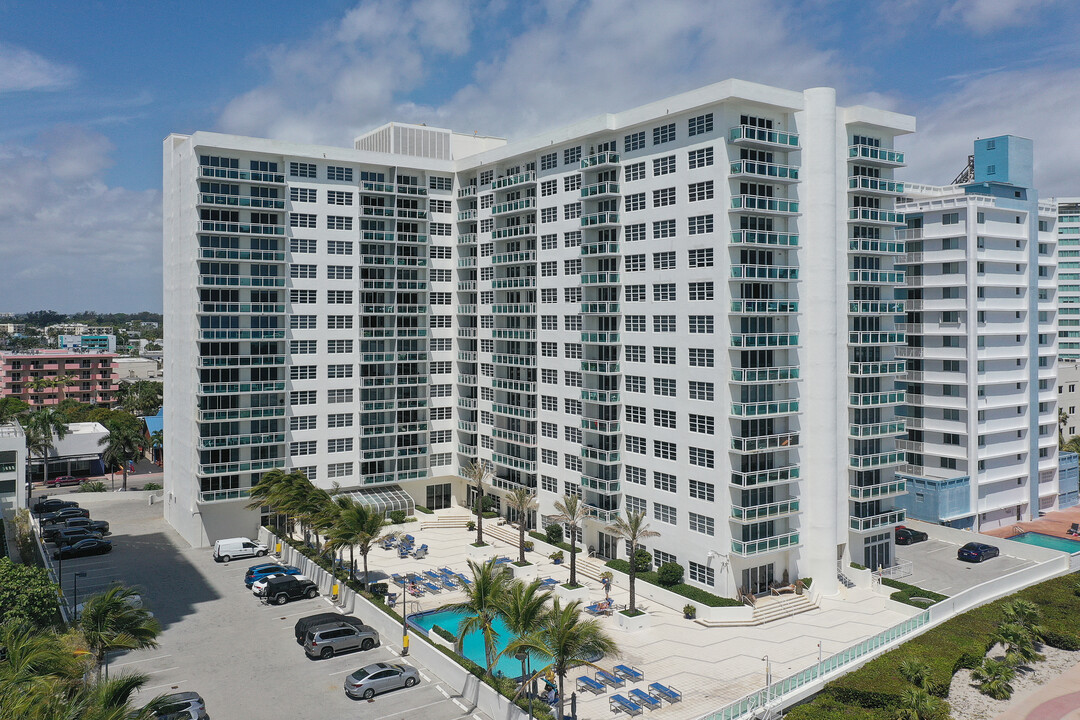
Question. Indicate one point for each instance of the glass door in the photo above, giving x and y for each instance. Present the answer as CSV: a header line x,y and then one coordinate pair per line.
x,y
756,580
607,546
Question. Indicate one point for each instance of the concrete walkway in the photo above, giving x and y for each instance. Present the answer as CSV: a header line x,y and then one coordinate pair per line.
x,y
1058,699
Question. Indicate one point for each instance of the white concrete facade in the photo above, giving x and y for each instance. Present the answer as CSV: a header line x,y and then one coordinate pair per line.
x,y
12,469
685,308
1068,232
982,352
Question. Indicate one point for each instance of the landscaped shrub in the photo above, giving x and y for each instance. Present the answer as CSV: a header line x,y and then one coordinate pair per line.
x,y
561,545
669,574
92,487
397,516
554,534
444,634
642,560
421,508
905,592
488,514
488,503
152,486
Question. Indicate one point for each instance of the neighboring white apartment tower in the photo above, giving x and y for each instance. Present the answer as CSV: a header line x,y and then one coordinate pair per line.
x,y
981,344
1068,235
685,309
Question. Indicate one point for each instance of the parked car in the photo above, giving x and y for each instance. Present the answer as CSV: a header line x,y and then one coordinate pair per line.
x,y
907,536
70,536
98,526
258,572
90,546
305,623
327,640
64,514
183,706
229,548
258,586
48,505
282,589
380,677
977,552
64,480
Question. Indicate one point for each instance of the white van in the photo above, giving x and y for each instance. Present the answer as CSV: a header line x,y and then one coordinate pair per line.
x,y
229,548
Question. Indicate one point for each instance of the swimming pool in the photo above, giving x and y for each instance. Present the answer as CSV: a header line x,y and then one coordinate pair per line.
x,y
473,647
1048,541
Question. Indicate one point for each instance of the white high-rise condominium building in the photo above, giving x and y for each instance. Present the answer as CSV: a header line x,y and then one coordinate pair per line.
x,y
685,309
1068,237
981,344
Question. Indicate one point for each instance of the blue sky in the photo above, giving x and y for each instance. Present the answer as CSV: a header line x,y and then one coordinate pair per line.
x,y
88,90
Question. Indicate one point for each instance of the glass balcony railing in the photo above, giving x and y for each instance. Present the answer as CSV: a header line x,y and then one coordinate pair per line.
x,y
746,548
873,522
771,511
514,411
886,247
601,514
600,218
759,409
756,237
764,169
876,338
604,397
600,426
470,214
600,308
765,374
765,443
864,462
242,201
514,462
877,399
513,231
523,386
876,155
514,206
261,177
524,256
411,190
876,215
514,437
212,496
241,440
377,187
877,307
885,429
879,185
894,367
749,134
466,239
765,272
881,490
599,338
600,248
763,203
600,368
876,277
528,177
600,189
759,340
605,278
232,468
501,309
765,307
600,456
467,191
600,159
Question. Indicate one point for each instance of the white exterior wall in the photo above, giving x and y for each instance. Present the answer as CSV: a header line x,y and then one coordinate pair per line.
x,y
12,469
1068,231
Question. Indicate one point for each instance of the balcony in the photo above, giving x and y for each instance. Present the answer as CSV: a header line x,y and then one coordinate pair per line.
x,y
600,219
761,340
506,333
512,283
877,307
514,462
600,308
600,248
602,397
747,548
875,155
467,239
233,468
764,272
866,462
877,277
877,247
875,522
525,178
764,409
765,374
600,368
765,443
411,190
600,189
599,426
751,136
254,177
595,480
764,307
242,201
606,457
513,231
522,386
752,169
464,192
876,216
502,309
607,516
510,359
864,493
214,496
896,397
511,258
755,237
895,367
879,186
605,278
600,338
757,513
599,160
514,206
511,436
513,411
764,204
876,338
241,440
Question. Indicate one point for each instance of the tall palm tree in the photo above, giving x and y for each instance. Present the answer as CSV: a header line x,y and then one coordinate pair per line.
x,y
563,640
521,500
482,605
123,444
633,528
1063,419
918,704
43,427
571,511
478,473
356,527
110,621
994,678
524,606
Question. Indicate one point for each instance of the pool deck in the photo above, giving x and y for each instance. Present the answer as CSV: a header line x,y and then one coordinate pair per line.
x,y
1054,523
710,666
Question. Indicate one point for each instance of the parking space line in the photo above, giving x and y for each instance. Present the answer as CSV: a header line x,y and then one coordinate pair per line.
x,y
168,685
403,713
426,678
132,662
152,672
441,690
341,672
460,704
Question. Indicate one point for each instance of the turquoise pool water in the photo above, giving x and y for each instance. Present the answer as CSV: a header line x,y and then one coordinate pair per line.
x,y
473,647
1048,541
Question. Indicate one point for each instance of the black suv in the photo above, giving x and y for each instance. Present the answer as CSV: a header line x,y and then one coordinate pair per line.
x,y
303,624
70,536
280,590
98,526
48,505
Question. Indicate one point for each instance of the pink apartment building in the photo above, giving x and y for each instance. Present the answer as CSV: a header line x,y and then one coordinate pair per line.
x,y
88,377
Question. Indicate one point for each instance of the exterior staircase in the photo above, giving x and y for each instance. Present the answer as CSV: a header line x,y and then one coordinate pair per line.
x,y
446,521
768,609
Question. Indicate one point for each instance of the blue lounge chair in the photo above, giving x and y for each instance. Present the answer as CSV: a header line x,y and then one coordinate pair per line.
x,y
665,692
548,582
448,583
464,580
398,579
436,577
447,571
587,683
502,561
629,672
620,703
432,587
410,539
608,679
644,699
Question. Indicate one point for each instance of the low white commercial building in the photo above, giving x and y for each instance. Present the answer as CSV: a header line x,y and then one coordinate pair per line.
x,y
13,490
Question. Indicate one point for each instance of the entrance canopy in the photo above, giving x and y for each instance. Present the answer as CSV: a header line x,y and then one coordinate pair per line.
x,y
383,499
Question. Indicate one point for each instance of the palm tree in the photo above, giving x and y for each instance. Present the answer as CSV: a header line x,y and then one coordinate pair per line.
x,y
521,500
915,672
1072,445
478,473
918,704
124,443
1063,419
633,528
43,427
1026,614
157,441
357,527
994,678
571,511
1018,643
110,621
11,408
524,606
563,640
482,605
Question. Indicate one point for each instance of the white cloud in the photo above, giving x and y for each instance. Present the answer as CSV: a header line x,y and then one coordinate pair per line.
x,y
21,69
987,16
70,241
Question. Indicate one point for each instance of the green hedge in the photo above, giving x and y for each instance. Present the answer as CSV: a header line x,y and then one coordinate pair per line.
x,y
960,642
3,540
687,591
543,538
444,633
825,708
421,508
905,592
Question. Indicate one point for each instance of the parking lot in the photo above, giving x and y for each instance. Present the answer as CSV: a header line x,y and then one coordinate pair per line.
x,y
222,642
935,567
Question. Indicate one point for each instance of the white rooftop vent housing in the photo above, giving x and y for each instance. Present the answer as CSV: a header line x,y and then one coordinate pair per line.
x,y
423,141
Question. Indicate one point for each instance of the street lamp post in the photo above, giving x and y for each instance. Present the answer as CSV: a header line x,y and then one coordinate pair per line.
x,y
526,671
75,593
768,678
404,622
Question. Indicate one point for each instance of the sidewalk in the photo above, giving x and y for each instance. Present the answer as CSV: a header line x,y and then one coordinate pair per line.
x,y
1058,699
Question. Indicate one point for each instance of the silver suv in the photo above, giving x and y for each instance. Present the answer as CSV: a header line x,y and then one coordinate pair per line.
x,y
325,640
